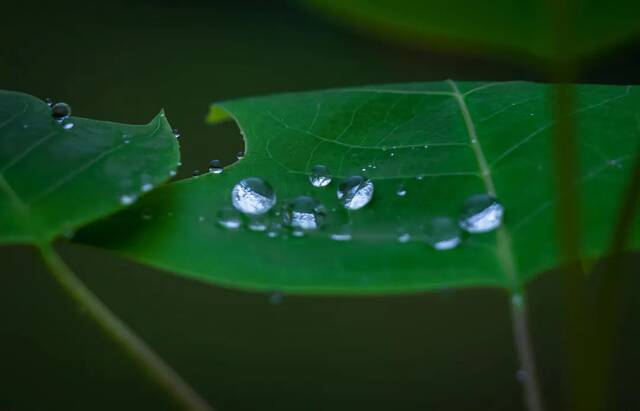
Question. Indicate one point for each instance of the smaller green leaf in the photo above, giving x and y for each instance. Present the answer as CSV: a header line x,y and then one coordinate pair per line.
x,y
56,175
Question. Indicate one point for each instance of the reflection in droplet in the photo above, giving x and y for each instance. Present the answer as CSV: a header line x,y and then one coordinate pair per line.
x,y
320,176
253,195
442,233
305,214
355,192
229,218
481,213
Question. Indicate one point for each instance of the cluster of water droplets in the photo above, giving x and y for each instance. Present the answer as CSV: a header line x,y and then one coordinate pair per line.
x,y
255,205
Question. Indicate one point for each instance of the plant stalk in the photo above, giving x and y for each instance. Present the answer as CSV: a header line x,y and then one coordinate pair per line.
x,y
144,357
528,374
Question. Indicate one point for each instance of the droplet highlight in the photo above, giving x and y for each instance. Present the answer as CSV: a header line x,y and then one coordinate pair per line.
x,y
253,195
442,233
481,213
229,218
355,192
320,176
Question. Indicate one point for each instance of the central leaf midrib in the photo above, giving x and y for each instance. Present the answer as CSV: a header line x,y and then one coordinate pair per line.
x,y
503,238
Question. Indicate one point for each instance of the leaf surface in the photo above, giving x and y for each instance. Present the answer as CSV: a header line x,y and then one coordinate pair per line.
x,y
441,142
55,179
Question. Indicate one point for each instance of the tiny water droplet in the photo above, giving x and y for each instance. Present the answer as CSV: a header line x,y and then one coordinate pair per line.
x,y
127,199
176,133
25,126
146,217
60,111
275,298
401,191
172,173
341,234
253,195
304,213
229,218
404,237
320,176
442,233
215,167
481,213
392,154
67,125
420,177
49,102
240,155
146,187
258,222
297,233
201,218
355,192
196,173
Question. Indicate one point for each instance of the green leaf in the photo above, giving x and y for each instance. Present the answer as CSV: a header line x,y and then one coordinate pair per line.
x,y
441,141
54,179
536,27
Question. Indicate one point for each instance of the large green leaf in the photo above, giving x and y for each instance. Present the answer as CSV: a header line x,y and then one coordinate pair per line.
x,y
551,30
56,176
441,141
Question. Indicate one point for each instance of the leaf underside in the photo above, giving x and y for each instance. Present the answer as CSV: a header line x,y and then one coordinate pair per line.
x,y
54,180
441,141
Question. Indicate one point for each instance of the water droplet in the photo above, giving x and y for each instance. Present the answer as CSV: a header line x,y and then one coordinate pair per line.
x,y
404,237
481,213
127,199
253,195
297,233
229,218
320,176
420,177
258,222
442,233
305,214
67,125
172,173
201,218
392,154
25,126
60,111
215,167
341,234
146,187
49,102
240,155
401,191
355,192
196,173
176,133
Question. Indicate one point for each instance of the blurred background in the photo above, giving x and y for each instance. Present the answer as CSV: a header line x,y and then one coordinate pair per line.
x,y
124,61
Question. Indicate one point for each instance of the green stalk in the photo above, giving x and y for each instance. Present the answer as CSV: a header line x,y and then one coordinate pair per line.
x,y
157,370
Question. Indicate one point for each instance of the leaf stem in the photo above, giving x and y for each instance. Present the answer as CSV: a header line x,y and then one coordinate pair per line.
x,y
157,370
529,376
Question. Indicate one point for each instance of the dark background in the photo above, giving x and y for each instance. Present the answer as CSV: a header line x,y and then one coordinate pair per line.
x,y
124,61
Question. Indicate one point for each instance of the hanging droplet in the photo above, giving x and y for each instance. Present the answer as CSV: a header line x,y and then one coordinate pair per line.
x,y
442,233
229,218
355,192
320,176
481,213
240,155
176,133
127,199
60,111
305,214
253,195
215,167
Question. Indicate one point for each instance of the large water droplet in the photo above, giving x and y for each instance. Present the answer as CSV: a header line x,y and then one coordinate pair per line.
x,y
320,176
442,233
229,218
355,192
481,213
215,167
305,213
253,195
60,111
